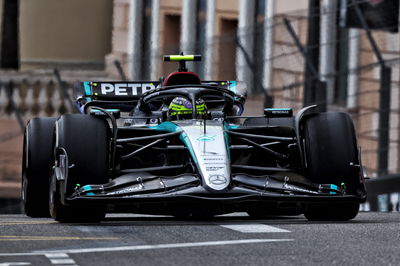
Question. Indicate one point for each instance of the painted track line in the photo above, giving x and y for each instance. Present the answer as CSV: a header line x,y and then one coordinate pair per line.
x,y
14,263
177,245
60,259
254,228
48,238
149,247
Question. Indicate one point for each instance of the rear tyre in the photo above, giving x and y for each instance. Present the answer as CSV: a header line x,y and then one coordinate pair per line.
x,y
85,140
331,155
36,166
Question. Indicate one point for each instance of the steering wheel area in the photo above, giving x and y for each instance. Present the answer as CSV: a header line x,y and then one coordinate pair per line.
x,y
191,92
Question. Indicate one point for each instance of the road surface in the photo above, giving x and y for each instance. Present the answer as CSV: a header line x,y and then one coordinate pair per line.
x,y
370,239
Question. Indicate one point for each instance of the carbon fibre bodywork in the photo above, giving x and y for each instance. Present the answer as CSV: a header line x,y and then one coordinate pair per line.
x,y
216,167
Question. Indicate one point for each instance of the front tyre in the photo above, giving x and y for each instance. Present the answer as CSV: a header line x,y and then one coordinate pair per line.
x,y
69,213
331,156
36,166
84,140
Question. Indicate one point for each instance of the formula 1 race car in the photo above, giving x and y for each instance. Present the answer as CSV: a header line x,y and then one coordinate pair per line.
x,y
180,146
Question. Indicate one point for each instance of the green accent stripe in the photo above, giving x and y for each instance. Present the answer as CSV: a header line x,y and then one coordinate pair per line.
x,y
166,126
87,187
185,139
232,85
172,127
88,89
109,110
279,109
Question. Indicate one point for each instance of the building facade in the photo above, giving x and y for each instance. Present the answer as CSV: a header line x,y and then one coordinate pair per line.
x,y
65,33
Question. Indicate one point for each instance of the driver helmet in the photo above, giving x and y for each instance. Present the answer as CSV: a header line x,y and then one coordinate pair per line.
x,y
180,108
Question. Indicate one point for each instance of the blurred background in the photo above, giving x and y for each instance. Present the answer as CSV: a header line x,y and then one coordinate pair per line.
x,y
343,55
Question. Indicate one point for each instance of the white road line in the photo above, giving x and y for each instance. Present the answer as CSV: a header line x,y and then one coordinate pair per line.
x,y
56,255
254,228
177,245
148,247
60,259
14,263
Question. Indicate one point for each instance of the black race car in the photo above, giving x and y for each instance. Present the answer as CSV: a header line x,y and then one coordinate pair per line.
x,y
126,152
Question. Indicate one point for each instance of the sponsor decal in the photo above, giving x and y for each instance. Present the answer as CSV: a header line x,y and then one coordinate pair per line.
x,y
280,111
213,168
127,190
206,138
213,159
217,179
123,89
292,188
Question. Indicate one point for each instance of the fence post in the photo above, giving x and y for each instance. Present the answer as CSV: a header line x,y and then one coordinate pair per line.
x,y
384,101
384,119
312,51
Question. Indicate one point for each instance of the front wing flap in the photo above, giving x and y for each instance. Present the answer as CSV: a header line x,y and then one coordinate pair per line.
x,y
149,188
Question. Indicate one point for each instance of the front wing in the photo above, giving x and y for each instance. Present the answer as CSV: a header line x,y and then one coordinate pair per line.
x,y
159,195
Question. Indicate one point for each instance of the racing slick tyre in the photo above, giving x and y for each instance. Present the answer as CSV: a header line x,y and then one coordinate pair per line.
x,y
36,166
84,140
69,213
331,156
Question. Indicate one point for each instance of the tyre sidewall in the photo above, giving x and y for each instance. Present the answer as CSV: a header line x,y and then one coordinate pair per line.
x,y
85,140
36,166
330,148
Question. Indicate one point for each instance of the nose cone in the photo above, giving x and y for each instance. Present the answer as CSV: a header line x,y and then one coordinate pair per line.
x,y
210,150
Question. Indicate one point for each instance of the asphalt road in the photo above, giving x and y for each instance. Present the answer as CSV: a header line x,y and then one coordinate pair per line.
x,y
370,239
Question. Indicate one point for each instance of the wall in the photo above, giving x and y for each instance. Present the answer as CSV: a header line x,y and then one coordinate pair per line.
x,y
65,32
